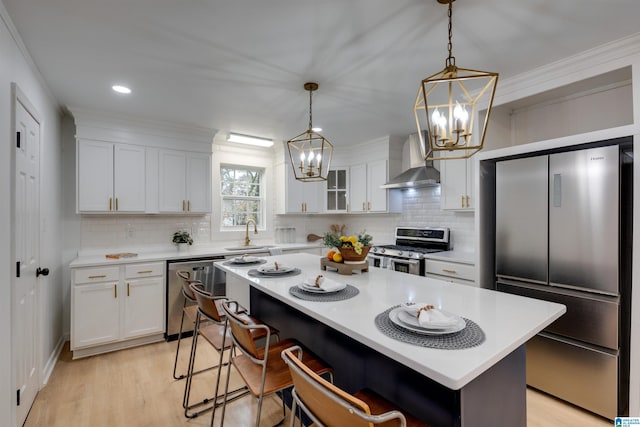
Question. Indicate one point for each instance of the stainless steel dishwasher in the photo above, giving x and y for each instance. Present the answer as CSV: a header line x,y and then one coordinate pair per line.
x,y
201,269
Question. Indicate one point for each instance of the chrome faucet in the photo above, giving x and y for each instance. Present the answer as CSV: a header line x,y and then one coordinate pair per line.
x,y
247,240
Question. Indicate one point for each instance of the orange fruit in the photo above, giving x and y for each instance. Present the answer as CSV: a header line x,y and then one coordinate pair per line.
x,y
330,255
337,257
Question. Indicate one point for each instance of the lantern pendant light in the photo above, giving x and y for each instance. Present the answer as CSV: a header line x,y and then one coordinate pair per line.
x,y
310,153
447,108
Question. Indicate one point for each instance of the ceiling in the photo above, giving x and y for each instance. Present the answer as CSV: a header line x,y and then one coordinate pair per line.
x,y
240,65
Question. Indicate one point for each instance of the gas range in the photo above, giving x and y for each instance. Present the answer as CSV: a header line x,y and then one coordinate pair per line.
x,y
412,245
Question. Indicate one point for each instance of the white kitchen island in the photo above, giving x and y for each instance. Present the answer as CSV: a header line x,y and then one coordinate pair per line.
x,y
480,386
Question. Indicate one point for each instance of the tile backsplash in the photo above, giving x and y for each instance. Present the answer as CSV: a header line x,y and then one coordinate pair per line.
x,y
421,207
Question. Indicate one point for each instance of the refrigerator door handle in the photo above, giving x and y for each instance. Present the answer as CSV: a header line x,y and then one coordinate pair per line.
x,y
557,190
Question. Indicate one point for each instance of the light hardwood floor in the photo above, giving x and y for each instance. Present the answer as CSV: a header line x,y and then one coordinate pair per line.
x,y
134,387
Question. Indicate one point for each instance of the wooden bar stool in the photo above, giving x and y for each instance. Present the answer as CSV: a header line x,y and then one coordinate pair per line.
x,y
330,406
262,369
189,310
214,332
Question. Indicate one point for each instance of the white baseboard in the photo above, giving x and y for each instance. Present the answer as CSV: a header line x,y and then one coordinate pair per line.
x,y
53,359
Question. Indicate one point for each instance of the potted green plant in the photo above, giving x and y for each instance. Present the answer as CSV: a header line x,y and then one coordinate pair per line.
x,y
182,239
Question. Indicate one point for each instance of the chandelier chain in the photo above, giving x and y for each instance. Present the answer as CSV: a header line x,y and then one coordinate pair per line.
x,y
310,111
450,44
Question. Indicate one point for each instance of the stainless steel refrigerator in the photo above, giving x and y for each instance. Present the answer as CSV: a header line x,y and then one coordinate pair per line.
x,y
559,221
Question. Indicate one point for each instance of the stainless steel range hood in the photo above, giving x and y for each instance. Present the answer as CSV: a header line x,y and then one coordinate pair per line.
x,y
417,171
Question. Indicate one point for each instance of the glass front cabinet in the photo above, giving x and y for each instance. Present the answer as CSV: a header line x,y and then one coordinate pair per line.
x,y
337,190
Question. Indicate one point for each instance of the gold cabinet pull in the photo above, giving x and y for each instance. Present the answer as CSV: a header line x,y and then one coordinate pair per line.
x,y
145,271
115,291
363,206
462,201
368,206
468,202
446,270
110,203
116,203
183,206
128,289
99,276
189,205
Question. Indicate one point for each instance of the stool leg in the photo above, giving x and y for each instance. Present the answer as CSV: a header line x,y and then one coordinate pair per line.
x,y
187,385
175,363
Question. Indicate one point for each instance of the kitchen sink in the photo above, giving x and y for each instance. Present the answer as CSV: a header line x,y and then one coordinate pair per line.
x,y
248,248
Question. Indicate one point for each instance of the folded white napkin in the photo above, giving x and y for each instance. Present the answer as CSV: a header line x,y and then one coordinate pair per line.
x,y
324,283
431,317
436,318
245,258
273,266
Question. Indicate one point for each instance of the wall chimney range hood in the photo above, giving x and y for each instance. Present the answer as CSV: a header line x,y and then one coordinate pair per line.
x,y
417,171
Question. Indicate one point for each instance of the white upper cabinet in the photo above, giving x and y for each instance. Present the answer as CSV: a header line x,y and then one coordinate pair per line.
x,y
364,188
110,177
456,188
302,197
185,182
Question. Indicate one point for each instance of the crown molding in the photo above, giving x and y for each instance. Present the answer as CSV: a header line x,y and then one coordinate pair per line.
x,y
590,63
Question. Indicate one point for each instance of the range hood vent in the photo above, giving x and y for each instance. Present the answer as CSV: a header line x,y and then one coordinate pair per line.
x,y
417,171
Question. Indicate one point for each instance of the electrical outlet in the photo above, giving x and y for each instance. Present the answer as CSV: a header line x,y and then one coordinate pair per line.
x,y
131,232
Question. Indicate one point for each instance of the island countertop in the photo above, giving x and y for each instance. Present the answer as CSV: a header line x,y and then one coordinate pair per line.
x,y
508,321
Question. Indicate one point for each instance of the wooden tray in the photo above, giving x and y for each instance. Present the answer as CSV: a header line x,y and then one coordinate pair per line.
x,y
343,268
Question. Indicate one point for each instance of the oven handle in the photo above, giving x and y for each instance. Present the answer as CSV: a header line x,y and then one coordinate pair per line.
x,y
393,261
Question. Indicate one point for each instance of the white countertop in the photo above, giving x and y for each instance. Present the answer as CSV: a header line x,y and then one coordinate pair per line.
x,y
195,251
507,320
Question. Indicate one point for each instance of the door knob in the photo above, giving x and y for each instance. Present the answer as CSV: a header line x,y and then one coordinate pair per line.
x,y
42,272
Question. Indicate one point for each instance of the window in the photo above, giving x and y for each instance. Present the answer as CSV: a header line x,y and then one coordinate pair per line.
x,y
242,195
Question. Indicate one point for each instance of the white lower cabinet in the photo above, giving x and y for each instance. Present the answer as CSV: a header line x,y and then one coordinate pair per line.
x,y
451,271
116,306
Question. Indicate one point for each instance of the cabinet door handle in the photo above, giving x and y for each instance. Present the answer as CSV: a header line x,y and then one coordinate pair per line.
x,y
446,270
99,276
115,291
110,203
368,206
467,197
462,201
189,205
363,206
145,271
128,289
183,206
116,203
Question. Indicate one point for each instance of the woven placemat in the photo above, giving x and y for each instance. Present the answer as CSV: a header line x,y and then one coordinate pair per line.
x,y
342,294
255,273
471,336
244,264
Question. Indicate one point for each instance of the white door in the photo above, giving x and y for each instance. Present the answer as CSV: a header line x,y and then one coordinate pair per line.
x,y
26,252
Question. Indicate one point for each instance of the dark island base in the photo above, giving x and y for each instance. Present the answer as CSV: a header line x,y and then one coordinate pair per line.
x,y
496,398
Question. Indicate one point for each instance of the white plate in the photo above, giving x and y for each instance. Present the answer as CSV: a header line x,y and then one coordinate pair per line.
x,y
272,271
245,260
310,288
395,314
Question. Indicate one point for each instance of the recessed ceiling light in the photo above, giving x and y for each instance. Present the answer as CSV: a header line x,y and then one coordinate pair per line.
x,y
251,140
121,89
316,129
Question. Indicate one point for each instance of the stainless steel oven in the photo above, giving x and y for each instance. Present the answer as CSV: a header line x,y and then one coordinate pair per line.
x,y
407,255
411,266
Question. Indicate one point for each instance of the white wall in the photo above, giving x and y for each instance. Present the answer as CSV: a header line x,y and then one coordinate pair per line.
x,y
17,67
